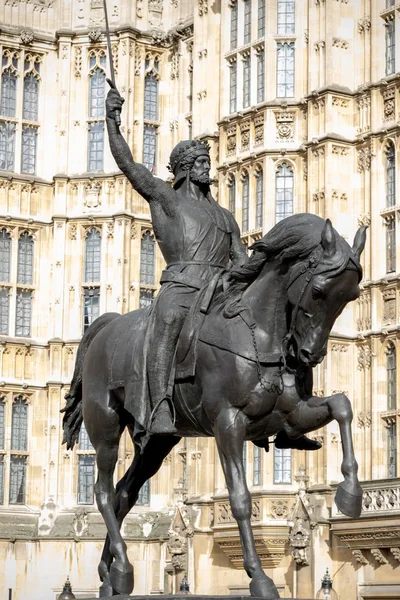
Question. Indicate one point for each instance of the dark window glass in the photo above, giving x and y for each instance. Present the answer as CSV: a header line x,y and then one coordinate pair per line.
x,y
7,146
285,71
8,93
25,259
259,198
5,255
84,441
392,450
146,298
390,46
390,245
260,76
23,314
391,377
19,427
233,88
1,478
282,465
285,17
86,479
149,147
151,97
261,18
245,204
390,176
246,81
247,22
92,256
284,192
4,311
31,97
17,479
144,495
91,307
256,465
234,26
97,93
96,146
28,157
147,259
2,423
232,197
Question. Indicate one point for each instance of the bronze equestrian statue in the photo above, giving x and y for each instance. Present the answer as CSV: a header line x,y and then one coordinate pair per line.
x,y
252,338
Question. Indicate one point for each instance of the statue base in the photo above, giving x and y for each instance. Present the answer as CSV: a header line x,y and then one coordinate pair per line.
x,y
187,597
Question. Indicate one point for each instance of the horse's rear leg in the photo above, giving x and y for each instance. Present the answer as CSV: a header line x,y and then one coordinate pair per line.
x,y
229,433
142,468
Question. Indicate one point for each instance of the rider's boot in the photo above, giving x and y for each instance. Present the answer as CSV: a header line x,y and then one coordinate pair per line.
x,y
283,441
162,423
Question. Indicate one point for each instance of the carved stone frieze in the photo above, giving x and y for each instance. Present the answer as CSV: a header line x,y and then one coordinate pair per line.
x,y
364,357
364,322
364,159
279,509
244,135
364,24
285,125
231,140
340,150
202,7
389,306
379,500
340,101
340,43
258,130
389,104
364,419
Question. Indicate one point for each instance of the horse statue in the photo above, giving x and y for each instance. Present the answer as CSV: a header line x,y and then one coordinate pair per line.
x,y
255,351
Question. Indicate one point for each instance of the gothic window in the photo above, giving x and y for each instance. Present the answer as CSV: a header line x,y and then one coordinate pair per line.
x,y
392,450
7,146
17,479
28,156
233,87
390,176
25,259
5,255
4,311
232,196
19,427
84,441
9,88
31,94
91,306
151,97
246,81
144,494
245,203
149,147
285,17
391,377
2,423
285,70
86,478
146,298
147,259
260,75
97,87
283,192
23,314
390,46
282,465
261,19
96,146
259,198
391,245
247,22
92,256
234,25
256,465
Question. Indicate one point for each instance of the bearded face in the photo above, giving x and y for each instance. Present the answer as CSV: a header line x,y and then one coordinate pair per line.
x,y
200,171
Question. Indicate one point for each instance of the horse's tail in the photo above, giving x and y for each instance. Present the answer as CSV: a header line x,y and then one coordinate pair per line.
x,y
72,419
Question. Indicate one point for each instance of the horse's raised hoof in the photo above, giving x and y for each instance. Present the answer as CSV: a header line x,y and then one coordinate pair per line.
x,y
264,587
121,581
349,502
106,590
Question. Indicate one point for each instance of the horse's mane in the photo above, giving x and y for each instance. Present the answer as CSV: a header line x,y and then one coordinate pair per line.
x,y
293,238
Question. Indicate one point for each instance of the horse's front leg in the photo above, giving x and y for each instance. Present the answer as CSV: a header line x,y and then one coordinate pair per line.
x,y
317,412
229,431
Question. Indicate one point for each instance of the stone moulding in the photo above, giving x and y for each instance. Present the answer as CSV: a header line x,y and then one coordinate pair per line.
x,y
271,543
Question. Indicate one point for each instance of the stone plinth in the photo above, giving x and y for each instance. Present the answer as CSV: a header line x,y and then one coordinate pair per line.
x,y
189,597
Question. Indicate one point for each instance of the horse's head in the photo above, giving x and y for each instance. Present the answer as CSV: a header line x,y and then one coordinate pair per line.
x,y
319,289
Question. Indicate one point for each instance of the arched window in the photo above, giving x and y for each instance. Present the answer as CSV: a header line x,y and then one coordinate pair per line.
x,y
285,17
285,70
247,22
261,19
147,259
390,45
259,197
234,25
31,94
8,91
391,377
25,259
390,167
151,97
245,203
283,192
97,87
19,427
5,255
390,244
92,256
232,195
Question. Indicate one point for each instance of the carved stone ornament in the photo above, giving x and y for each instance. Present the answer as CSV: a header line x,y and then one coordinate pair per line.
x,y
379,557
231,141
285,125
92,197
364,357
78,62
279,509
299,541
95,35
259,130
244,135
47,517
389,306
26,36
389,104
80,523
364,159
359,556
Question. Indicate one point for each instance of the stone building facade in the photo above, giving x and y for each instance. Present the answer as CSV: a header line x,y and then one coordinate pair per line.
x,y
300,102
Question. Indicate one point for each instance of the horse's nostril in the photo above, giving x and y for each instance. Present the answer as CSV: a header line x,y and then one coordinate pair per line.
x,y
305,353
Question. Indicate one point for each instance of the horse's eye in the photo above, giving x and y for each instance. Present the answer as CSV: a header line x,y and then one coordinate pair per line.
x,y
317,293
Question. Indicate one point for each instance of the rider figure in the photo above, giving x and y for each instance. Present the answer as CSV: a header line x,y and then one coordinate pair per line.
x,y
197,238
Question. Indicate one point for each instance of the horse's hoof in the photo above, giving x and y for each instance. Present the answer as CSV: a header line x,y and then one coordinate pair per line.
x,y
349,502
264,587
106,590
121,581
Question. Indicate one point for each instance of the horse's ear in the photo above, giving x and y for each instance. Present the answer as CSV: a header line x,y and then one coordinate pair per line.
x,y
359,241
328,239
